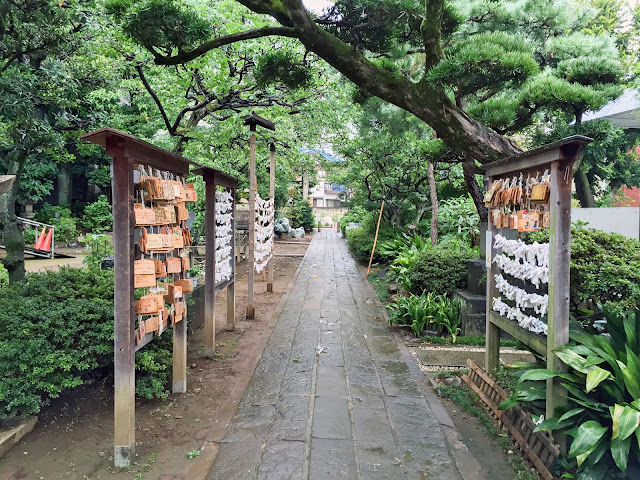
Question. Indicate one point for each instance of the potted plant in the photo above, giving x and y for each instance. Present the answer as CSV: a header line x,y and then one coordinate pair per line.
x,y
194,272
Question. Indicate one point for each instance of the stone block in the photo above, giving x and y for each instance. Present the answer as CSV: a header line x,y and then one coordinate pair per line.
x,y
476,276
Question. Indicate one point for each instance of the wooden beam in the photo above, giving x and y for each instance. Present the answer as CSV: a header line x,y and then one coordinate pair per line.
x,y
254,120
124,317
535,341
252,221
559,266
231,288
272,192
538,157
210,267
492,335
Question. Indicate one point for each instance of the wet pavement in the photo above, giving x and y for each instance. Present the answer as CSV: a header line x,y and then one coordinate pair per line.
x,y
332,396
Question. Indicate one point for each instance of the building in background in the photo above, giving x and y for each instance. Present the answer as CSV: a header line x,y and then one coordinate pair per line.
x,y
326,198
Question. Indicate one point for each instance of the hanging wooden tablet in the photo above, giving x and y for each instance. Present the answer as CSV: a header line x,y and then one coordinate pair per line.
x,y
144,267
152,324
182,214
185,264
528,220
144,216
174,264
145,306
187,285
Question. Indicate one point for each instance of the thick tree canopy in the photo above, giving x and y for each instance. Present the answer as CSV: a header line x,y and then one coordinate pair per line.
x,y
474,71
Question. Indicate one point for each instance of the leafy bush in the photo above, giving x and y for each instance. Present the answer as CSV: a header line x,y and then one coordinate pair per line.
x,y
360,242
60,217
56,333
605,267
427,310
4,276
404,260
99,245
355,215
301,215
602,413
439,270
390,249
97,215
65,229
49,213
459,217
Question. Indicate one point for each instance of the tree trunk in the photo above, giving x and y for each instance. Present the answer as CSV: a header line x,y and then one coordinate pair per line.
x,y
469,172
13,238
65,184
583,189
434,203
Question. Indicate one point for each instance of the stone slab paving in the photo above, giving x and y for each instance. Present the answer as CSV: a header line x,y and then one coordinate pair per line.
x,y
332,397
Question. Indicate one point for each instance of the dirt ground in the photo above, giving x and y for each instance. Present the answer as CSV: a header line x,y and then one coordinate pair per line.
x,y
74,435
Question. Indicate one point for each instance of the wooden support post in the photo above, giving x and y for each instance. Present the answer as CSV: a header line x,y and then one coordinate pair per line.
x,y
252,220
180,357
231,288
492,334
210,268
124,317
559,265
272,193
375,240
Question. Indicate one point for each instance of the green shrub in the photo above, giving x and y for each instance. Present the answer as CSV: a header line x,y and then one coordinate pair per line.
x,y
97,215
301,215
459,217
99,245
60,217
602,413
428,310
56,333
392,248
4,276
49,213
354,215
65,229
439,270
605,267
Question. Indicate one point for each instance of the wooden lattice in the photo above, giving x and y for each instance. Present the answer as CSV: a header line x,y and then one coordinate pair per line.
x,y
538,447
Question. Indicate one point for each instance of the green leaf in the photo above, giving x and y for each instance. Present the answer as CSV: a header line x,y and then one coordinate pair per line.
x,y
572,359
626,421
543,374
583,399
548,424
631,374
570,413
595,376
587,436
629,323
620,452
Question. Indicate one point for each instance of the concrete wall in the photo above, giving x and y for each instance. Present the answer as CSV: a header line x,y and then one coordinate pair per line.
x,y
623,220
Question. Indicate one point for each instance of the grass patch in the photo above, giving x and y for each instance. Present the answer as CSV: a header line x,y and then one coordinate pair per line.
x,y
474,341
380,285
467,399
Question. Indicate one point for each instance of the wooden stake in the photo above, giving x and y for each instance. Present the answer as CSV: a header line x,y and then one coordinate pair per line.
x,y
375,240
252,220
272,193
210,268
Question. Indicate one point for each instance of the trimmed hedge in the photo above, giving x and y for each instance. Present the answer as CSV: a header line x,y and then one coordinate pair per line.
x,y
605,267
56,333
440,271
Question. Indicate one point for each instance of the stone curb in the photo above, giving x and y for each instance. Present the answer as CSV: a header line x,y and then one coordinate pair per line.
x,y
8,438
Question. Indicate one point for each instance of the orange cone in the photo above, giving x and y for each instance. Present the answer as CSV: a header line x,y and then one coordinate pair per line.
x,y
46,246
40,239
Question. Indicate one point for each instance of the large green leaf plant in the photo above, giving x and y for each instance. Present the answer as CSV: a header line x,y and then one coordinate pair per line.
x,y
602,415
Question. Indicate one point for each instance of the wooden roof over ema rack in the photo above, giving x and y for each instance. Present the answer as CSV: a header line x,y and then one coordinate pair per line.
x,y
120,144
566,149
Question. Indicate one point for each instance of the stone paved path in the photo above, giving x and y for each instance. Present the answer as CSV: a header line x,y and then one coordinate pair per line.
x,y
332,397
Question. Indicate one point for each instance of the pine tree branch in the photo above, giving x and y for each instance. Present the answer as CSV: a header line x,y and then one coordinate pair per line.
x,y
188,55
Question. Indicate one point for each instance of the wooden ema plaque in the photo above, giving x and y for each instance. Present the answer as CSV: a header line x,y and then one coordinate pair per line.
x,y
174,264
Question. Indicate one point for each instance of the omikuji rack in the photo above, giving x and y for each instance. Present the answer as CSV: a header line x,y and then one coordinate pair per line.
x,y
558,158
